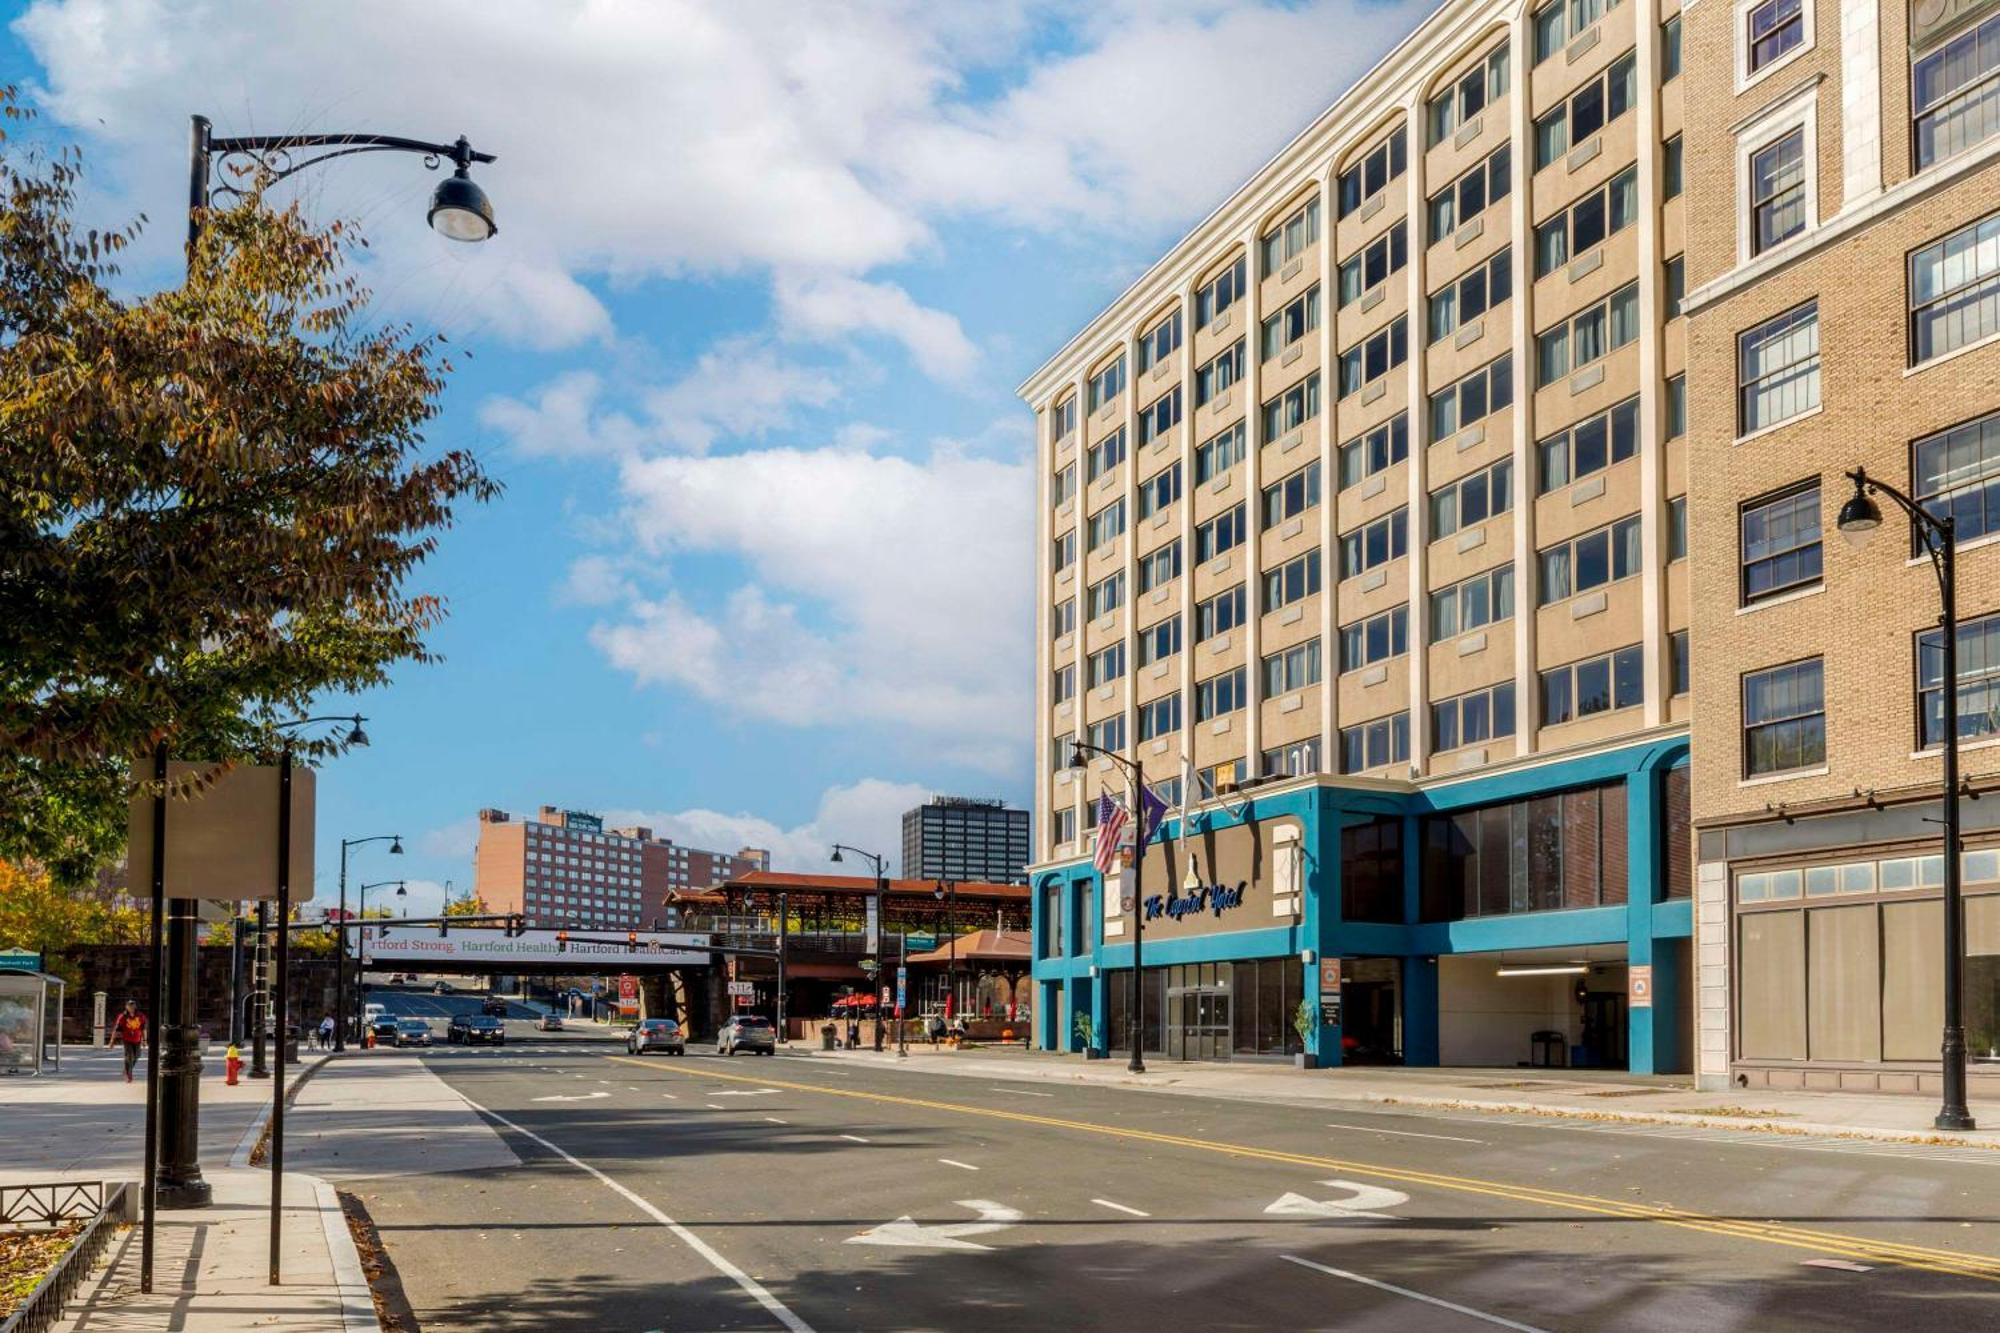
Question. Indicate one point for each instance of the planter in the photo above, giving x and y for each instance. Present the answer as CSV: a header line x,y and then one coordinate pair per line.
x,y
1092,1053
1305,1060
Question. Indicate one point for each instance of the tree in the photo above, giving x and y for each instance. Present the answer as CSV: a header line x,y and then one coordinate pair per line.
x,y
211,499
470,905
38,914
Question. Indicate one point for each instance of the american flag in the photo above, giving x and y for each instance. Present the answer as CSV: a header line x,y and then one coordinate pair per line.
x,y
1110,823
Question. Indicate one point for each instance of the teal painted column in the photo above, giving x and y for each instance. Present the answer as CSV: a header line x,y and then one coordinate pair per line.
x,y
1651,1032
1420,1011
1100,1006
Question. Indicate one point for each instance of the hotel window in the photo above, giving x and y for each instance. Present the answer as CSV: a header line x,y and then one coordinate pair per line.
x,y
1062,419
1955,286
1956,474
1290,238
1557,23
1062,618
1677,528
1384,255
1376,451
1107,383
1292,669
1159,642
1784,718
1471,718
1065,825
1677,663
1218,454
1161,717
1781,543
1289,325
1777,369
1472,603
1292,408
1160,416
1386,539
1107,524
1589,446
1061,751
1778,191
1219,614
1105,455
1218,373
1159,342
1471,295
1589,336
1584,225
1670,49
1292,581
1597,685
1219,293
1291,496
1589,109
1770,30
1472,499
1372,174
1064,685
1219,695
1374,357
1221,777
1297,760
1376,639
1677,285
1471,194
1106,595
1108,734
1677,406
1159,490
1065,550
1222,533
1479,395
1386,740
1955,94
1484,83
1160,567
1596,558
1978,682
1063,486
1671,182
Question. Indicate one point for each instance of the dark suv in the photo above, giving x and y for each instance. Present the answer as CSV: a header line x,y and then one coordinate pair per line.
x,y
495,1006
472,1029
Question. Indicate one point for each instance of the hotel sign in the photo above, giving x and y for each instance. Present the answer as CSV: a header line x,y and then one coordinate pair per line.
x,y
1210,881
1932,21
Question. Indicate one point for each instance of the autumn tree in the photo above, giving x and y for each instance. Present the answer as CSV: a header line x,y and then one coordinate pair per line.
x,y
470,905
212,499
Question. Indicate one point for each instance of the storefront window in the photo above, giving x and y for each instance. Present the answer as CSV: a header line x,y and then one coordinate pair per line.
x,y
1371,871
1211,1011
1542,854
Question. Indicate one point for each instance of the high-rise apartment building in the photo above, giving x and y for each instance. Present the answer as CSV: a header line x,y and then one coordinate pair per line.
x,y
1844,311
1362,531
565,868
966,838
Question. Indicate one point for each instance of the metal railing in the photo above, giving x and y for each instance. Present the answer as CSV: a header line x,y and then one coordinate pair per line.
x,y
53,1203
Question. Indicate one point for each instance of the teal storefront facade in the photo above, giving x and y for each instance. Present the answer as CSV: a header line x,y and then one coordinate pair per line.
x,y
1535,913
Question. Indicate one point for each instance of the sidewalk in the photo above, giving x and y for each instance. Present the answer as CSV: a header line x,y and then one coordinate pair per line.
x,y
1581,1094
211,1265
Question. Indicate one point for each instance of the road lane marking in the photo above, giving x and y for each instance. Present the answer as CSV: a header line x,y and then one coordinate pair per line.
x,y
670,1096
755,1289
1404,1133
907,1231
1453,1306
963,1166
1119,1207
1361,1199
771,1119
1021,1092
1957,1263
579,1097
856,1138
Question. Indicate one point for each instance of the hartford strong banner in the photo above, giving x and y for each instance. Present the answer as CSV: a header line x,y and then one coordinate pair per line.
x,y
389,943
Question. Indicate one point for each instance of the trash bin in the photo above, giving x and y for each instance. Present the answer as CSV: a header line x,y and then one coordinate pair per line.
x,y
826,1042
1548,1049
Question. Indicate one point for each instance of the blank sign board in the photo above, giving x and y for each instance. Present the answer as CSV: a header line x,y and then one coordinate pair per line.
x,y
222,839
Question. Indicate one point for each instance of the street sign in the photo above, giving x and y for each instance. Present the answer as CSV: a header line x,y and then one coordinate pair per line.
x,y
885,995
20,960
1639,985
874,925
743,990
1329,976
628,987
222,838
902,988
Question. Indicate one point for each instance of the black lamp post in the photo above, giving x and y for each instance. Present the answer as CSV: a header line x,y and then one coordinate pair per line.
x,y
346,997
947,892
1858,520
1136,995
361,913
880,863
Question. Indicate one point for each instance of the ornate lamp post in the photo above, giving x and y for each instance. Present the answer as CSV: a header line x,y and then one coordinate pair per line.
x,y
1136,1001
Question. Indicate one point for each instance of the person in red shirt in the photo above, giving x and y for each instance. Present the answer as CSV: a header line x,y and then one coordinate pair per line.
x,y
129,1028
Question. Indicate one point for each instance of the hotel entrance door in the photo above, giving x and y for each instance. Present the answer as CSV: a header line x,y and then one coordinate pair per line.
x,y
1198,1026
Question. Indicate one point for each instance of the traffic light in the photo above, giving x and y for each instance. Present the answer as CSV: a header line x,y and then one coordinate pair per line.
x,y
562,941
631,939
444,927
517,926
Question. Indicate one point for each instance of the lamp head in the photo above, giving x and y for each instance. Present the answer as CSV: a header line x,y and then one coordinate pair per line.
x,y
836,855
1076,755
1859,517
357,736
460,210
396,845
938,892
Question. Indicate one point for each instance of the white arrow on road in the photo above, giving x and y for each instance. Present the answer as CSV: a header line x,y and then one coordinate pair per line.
x,y
1361,1201
580,1097
754,1092
907,1231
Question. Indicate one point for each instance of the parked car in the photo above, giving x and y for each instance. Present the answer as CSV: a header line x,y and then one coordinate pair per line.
x,y
474,1029
549,1022
412,1032
495,1006
384,1027
747,1032
657,1034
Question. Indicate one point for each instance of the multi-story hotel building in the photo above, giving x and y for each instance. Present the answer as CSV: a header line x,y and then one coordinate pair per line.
x,y
1844,312
966,838
1362,530
565,869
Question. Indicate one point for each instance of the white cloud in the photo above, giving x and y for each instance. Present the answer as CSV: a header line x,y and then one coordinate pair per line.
x,y
453,842
826,307
868,813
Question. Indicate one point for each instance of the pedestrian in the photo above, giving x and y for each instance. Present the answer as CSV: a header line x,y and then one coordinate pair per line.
x,y
934,1026
129,1028
326,1033
853,1033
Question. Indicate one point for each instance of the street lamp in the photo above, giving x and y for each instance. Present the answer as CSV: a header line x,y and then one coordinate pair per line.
x,y
1858,520
880,863
361,910
940,893
1135,996
349,1008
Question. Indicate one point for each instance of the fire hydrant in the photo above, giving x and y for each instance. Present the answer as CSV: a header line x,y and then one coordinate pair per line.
x,y
232,1065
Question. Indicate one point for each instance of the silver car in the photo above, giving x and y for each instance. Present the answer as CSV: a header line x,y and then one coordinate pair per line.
x,y
747,1032
656,1034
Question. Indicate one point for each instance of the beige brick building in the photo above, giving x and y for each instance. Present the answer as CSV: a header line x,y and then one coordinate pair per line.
x,y
1844,311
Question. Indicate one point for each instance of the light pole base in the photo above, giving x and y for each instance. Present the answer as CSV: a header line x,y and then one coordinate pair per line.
x,y
1954,1119
1135,1067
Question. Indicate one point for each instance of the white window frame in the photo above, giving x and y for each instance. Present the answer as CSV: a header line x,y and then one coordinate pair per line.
x,y
1745,76
1799,111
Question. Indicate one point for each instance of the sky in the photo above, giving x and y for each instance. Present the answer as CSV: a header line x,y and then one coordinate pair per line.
x,y
743,354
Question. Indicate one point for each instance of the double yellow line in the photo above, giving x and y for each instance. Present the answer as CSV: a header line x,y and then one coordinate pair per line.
x,y
1861,1249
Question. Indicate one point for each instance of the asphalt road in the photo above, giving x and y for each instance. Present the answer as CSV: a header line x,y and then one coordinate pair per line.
x,y
752,1193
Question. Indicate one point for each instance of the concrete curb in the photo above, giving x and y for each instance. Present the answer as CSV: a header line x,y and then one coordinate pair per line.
x,y
247,1145
357,1301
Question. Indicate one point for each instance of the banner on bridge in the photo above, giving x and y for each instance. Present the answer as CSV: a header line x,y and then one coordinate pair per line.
x,y
389,943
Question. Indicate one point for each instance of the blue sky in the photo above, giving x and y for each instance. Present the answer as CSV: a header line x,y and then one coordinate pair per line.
x,y
743,354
